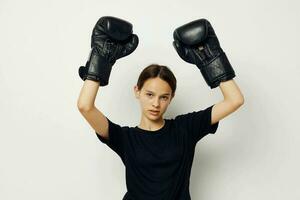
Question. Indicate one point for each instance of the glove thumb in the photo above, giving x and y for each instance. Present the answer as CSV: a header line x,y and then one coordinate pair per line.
x,y
82,72
184,52
128,46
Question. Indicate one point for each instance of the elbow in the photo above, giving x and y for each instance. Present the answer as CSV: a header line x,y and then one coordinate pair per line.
x,y
236,102
83,108
239,102
242,100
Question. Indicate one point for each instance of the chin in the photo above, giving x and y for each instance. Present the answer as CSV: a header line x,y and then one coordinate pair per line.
x,y
155,116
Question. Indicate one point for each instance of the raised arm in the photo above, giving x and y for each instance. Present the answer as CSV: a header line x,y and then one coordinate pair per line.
x,y
86,106
197,43
112,38
233,99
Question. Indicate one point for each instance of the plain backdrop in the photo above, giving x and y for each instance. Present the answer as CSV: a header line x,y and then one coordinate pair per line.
x,y
47,149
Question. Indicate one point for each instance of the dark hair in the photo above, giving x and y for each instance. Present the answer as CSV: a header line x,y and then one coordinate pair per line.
x,y
161,71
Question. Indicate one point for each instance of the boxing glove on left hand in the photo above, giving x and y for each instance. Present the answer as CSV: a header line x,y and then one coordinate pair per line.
x,y
112,38
197,43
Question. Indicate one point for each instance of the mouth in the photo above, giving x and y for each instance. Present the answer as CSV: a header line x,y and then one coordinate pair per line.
x,y
154,112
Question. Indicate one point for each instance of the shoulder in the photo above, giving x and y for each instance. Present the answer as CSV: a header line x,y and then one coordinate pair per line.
x,y
199,114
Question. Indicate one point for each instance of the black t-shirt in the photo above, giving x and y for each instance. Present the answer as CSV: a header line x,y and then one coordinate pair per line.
x,y
158,163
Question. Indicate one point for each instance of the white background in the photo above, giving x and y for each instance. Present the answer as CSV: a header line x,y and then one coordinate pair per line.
x,y
47,149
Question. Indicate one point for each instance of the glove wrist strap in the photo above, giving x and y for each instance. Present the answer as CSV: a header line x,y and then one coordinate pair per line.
x,y
217,71
99,68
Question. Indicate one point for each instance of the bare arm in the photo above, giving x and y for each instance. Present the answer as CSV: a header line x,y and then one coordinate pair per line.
x,y
233,99
88,95
86,106
103,56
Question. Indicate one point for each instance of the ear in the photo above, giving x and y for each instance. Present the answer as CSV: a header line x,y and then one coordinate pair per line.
x,y
136,91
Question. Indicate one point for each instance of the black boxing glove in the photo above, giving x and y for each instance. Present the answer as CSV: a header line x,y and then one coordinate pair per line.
x,y
197,43
112,38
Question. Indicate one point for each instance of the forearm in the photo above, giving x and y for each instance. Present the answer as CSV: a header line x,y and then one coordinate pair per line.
x,y
88,95
231,92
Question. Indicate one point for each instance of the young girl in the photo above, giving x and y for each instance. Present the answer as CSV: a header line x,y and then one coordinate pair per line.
x,y
158,153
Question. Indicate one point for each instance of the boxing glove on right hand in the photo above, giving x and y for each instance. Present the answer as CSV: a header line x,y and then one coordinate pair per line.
x,y
112,38
197,43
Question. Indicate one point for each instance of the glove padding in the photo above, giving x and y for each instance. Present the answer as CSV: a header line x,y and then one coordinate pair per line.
x,y
197,43
112,38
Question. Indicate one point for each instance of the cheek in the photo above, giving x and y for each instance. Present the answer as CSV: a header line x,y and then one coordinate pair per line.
x,y
143,101
166,103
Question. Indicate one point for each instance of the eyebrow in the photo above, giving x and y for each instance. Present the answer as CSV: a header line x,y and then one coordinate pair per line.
x,y
154,93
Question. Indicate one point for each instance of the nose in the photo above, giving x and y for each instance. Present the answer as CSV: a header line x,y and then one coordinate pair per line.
x,y
155,102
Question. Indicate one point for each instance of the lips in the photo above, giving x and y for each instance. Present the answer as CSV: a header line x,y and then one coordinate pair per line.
x,y
154,112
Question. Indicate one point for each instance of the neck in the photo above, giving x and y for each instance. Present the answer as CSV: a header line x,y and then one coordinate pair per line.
x,y
151,125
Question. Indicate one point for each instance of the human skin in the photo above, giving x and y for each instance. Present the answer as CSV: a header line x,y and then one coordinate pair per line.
x,y
156,94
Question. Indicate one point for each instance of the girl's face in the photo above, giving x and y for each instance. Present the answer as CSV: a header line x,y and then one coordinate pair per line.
x,y
155,95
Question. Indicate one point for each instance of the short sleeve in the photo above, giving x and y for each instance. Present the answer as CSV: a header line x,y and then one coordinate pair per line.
x,y
198,123
116,138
